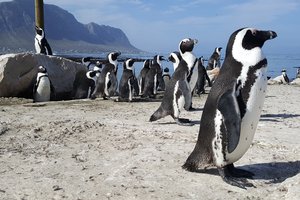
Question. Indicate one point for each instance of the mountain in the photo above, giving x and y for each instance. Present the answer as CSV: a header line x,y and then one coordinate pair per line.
x,y
64,33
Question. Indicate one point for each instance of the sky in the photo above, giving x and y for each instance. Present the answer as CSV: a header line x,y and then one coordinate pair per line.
x,y
159,25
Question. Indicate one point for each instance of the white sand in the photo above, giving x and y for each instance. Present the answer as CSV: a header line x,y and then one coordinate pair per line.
x,y
108,150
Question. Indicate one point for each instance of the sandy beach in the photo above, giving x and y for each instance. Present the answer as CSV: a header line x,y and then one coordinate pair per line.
x,y
102,149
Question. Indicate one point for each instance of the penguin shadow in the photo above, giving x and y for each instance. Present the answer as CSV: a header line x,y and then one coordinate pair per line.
x,y
277,117
274,172
193,123
196,109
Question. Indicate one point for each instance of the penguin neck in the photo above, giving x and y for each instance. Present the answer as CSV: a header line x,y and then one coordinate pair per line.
x,y
114,62
248,57
40,74
189,58
157,62
175,65
39,37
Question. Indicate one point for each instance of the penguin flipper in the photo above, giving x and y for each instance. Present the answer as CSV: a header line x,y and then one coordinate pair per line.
x,y
229,108
52,91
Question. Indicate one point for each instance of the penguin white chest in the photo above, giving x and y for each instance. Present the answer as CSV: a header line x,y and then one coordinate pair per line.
x,y
194,77
250,120
43,90
130,95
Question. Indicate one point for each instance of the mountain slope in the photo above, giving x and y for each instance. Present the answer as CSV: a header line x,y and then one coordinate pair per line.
x,y
17,21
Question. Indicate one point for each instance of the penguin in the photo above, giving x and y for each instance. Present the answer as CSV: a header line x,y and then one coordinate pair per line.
x,y
298,73
214,60
232,109
41,44
178,92
142,76
175,58
87,62
153,77
126,86
282,79
92,75
202,77
192,78
43,87
107,83
166,78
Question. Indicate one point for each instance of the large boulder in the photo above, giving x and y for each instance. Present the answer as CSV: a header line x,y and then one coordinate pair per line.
x,y
18,73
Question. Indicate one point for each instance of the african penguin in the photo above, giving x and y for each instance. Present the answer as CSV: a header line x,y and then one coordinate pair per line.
x,y
87,62
233,107
92,75
41,44
107,83
193,76
166,78
202,77
214,60
283,78
42,88
126,86
175,58
178,92
153,77
298,73
142,76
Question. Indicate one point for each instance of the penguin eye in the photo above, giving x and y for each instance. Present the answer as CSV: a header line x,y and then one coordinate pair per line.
x,y
254,32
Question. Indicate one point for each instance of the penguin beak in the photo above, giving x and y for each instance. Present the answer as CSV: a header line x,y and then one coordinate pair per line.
x,y
267,35
161,58
195,41
273,34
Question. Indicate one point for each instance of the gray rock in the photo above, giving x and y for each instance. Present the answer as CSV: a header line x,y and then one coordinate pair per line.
x,y
18,73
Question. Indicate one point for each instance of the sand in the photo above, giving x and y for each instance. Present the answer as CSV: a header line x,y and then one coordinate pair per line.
x,y
108,150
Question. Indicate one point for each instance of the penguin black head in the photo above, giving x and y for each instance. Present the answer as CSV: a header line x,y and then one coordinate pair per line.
x,y
175,57
218,50
187,45
91,74
97,68
283,70
86,59
201,59
166,70
39,31
158,58
128,64
42,69
112,57
247,42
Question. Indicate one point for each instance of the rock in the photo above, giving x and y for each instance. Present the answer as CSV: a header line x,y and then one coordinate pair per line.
x,y
18,73
296,81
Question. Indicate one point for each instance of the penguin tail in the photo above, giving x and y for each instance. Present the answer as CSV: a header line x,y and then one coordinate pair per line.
x,y
158,114
194,161
190,165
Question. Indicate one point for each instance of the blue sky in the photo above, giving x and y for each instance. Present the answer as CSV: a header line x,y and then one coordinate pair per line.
x,y
158,26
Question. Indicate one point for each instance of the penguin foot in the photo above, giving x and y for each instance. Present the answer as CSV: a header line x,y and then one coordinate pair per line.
x,y
239,172
183,122
229,178
192,109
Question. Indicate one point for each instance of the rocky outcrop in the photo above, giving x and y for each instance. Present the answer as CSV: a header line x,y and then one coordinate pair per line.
x,y
296,82
18,73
